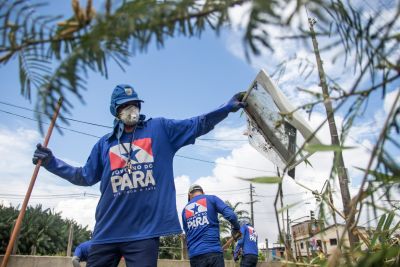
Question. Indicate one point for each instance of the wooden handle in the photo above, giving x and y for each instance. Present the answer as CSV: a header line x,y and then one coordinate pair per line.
x,y
21,214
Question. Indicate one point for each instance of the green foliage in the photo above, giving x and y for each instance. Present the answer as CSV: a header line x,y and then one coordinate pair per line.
x,y
55,59
224,225
261,256
384,248
56,56
264,179
325,148
43,231
384,230
170,247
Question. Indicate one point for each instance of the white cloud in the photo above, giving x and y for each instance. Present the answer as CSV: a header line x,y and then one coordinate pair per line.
x,y
389,100
81,210
14,146
298,54
239,15
222,132
5,203
224,183
16,168
182,184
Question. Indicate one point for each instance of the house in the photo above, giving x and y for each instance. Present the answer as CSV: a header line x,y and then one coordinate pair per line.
x,y
276,253
310,238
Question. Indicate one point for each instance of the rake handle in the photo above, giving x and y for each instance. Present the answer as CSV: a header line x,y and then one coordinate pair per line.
x,y
21,214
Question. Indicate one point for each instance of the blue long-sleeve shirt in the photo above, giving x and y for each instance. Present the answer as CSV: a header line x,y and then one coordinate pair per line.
x,y
141,203
248,242
82,250
201,225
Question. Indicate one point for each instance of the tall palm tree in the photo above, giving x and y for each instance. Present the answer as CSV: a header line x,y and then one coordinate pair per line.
x,y
224,225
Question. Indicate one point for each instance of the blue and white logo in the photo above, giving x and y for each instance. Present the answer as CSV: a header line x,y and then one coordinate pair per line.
x,y
128,91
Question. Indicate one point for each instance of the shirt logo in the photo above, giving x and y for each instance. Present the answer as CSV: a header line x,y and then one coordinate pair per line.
x,y
196,207
141,152
140,177
252,234
196,214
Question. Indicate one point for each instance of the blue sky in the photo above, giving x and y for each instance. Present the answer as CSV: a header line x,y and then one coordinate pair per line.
x,y
187,77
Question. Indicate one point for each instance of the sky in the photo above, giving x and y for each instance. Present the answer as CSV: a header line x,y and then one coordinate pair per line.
x,y
186,78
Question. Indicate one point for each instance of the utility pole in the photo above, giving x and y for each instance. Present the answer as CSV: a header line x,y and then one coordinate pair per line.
x,y
251,204
338,156
333,212
288,237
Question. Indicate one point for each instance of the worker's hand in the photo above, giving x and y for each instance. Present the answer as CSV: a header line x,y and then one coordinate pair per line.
x,y
42,153
236,234
76,261
235,103
236,257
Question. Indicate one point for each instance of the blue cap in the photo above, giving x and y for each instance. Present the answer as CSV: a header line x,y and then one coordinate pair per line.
x,y
122,93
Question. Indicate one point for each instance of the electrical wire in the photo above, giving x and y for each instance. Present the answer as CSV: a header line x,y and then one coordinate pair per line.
x,y
95,124
220,192
292,194
177,155
225,164
91,195
69,119
63,128
50,196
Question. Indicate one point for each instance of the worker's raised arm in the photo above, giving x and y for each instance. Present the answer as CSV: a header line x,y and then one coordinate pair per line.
x,y
185,132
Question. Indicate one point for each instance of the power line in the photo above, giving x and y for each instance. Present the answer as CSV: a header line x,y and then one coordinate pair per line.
x,y
264,212
91,135
240,189
63,128
292,194
91,195
219,192
222,140
69,119
177,155
181,156
96,124
230,165
50,196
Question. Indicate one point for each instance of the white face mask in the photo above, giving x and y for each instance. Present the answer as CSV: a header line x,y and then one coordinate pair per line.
x,y
129,115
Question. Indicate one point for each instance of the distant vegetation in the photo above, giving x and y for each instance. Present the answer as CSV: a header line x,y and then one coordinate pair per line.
x,y
43,231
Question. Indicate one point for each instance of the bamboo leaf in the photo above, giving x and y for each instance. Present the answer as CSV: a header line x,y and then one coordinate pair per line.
x,y
378,230
263,179
325,148
382,177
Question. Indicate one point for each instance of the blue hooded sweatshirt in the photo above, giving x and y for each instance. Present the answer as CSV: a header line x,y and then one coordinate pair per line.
x,y
248,242
140,203
82,250
201,225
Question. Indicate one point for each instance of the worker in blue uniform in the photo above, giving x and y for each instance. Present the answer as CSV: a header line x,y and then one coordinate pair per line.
x,y
247,246
201,225
133,164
